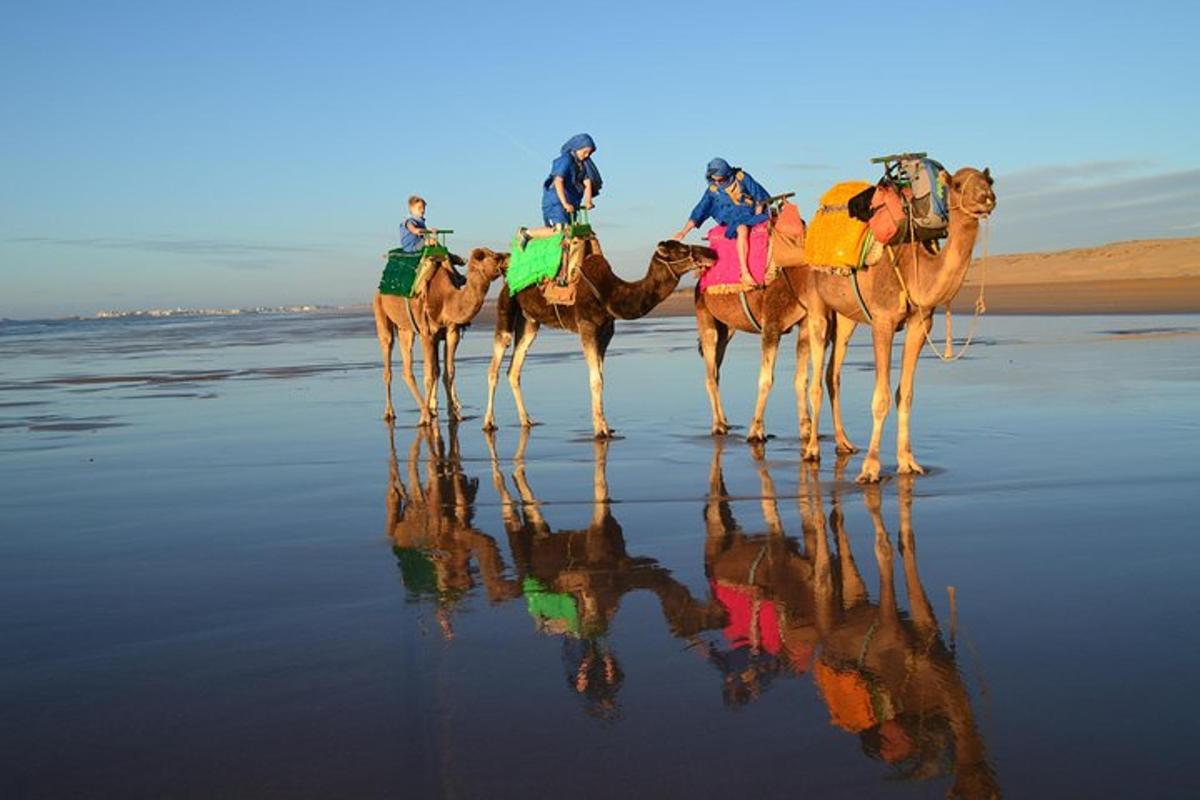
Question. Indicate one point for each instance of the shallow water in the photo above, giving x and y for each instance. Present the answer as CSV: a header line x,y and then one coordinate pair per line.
x,y
253,587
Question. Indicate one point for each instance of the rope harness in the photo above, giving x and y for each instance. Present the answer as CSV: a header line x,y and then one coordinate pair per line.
x,y
749,314
412,317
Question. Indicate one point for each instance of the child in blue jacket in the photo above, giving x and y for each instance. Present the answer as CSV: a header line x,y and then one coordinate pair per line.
x,y
414,231
735,200
574,182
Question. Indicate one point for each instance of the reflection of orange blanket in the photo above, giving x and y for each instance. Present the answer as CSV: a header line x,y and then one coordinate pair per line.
x,y
847,696
724,276
836,239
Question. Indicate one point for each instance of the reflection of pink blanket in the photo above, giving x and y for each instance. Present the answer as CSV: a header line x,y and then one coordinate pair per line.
x,y
750,623
726,271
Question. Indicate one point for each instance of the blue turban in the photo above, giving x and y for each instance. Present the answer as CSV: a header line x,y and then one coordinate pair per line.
x,y
589,169
718,168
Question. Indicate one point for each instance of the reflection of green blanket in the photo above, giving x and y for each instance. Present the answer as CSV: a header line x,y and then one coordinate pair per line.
x,y
544,605
538,261
416,571
402,270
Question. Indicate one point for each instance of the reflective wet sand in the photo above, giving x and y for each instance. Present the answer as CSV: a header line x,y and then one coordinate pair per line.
x,y
254,587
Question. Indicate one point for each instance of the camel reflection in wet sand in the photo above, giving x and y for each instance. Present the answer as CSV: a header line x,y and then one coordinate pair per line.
x,y
886,676
779,607
430,524
574,579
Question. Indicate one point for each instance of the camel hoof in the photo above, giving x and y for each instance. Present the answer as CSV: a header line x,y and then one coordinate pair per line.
x,y
869,474
489,426
911,468
605,435
806,430
811,454
720,429
529,422
846,448
389,415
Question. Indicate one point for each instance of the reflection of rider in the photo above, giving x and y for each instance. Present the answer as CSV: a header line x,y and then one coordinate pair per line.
x,y
430,524
884,676
574,581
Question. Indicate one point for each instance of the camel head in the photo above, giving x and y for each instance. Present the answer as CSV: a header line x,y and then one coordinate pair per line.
x,y
971,191
488,263
681,258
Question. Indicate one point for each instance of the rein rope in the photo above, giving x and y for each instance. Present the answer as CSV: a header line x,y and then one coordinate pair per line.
x,y
946,354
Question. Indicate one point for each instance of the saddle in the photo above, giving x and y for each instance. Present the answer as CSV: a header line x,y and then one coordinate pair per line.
x,y
406,274
560,290
553,264
776,244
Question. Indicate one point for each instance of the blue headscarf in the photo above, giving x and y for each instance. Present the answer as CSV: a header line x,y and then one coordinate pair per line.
x,y
719,168
588,167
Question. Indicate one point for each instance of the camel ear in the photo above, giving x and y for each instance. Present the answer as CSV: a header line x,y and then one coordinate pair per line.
x,y
478,254
987,173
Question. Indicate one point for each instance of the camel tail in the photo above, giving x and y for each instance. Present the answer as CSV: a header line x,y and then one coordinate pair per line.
x,y
383,324
509,317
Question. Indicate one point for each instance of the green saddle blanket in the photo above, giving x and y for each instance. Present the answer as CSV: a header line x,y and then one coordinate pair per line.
x,y
539,260
403,268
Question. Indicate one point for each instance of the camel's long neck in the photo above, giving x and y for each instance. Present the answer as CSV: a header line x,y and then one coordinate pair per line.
x,y
635,300
463,304
936,279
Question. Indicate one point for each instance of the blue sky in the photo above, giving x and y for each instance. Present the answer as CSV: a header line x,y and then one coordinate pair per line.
x,y
235,154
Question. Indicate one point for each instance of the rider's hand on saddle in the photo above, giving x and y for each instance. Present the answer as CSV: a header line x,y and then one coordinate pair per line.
x,y
679,236
570,209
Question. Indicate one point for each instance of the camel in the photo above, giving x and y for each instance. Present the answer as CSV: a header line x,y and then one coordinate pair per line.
x,y
440,314
776,309
886,676
601,299
901,290
574,579
430,524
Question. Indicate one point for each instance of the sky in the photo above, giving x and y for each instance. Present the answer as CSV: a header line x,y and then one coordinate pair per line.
x,y
240,154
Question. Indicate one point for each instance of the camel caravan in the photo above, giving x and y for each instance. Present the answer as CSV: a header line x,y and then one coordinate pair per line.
x,y
886,255
781,609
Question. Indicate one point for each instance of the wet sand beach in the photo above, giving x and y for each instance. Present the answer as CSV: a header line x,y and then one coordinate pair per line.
x,y
253,587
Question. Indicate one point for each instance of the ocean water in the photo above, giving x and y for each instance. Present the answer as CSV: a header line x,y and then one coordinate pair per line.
x,y
223,575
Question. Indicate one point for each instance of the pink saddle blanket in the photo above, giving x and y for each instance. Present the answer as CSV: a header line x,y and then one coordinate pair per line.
x,y
726,271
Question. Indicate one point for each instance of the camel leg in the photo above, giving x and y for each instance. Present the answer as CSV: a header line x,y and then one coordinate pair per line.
x,y
818,329
410,380
920,609
500,343
387,337
743,248
800,382
453,335
853,588
590,338
914,340
768,497
714,337
528,334
843,329
881,339
430,375
766,376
